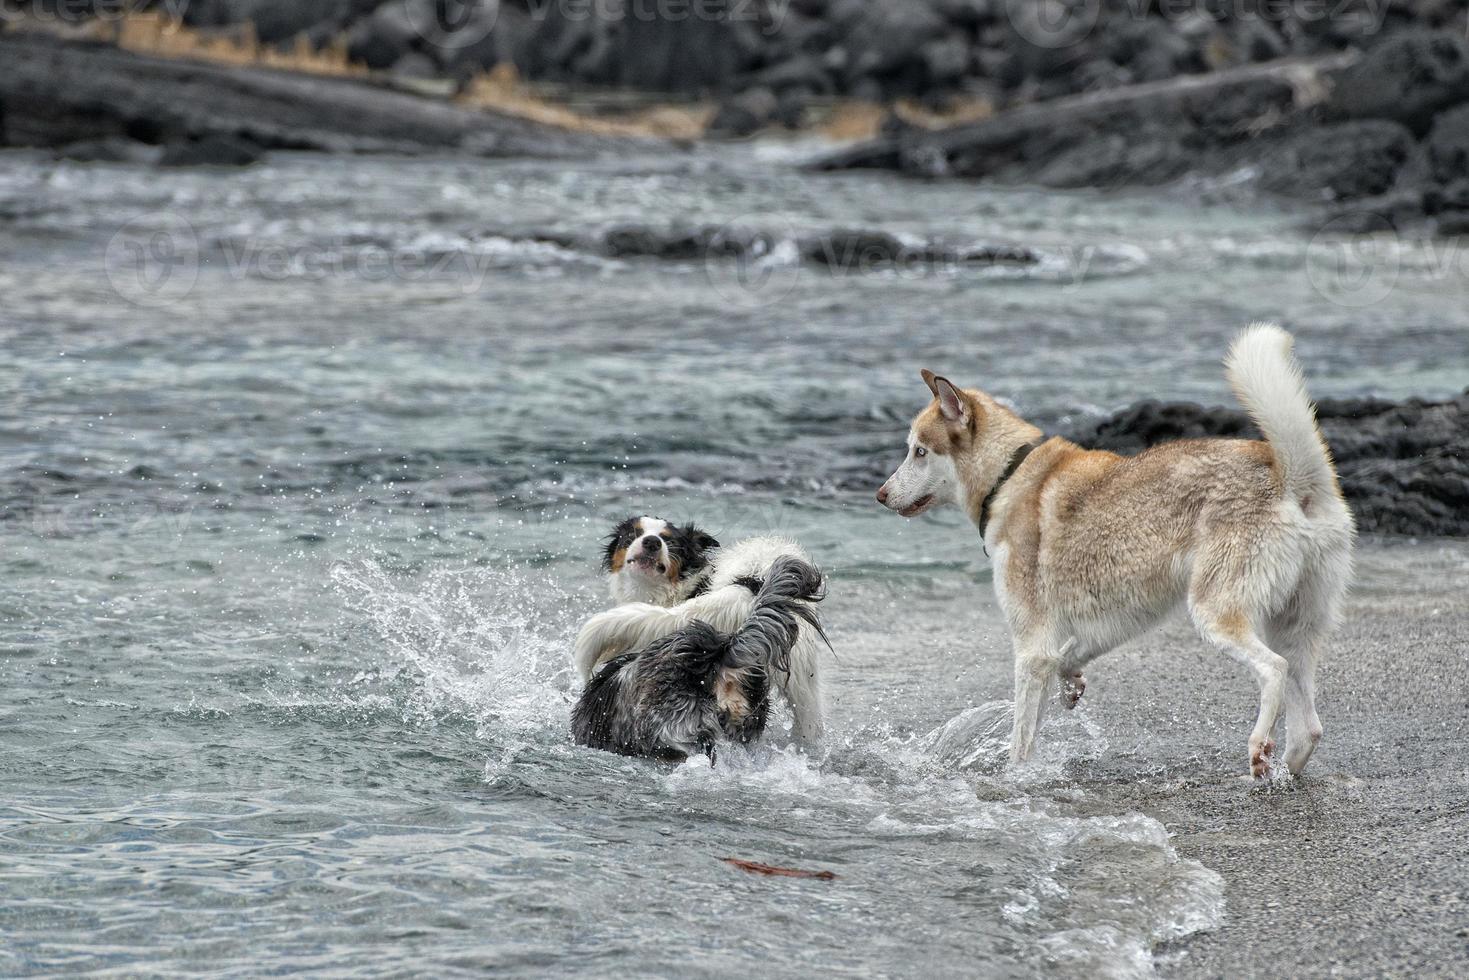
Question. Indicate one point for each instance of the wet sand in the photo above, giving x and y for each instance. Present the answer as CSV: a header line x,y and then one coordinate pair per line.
x,y
1361,868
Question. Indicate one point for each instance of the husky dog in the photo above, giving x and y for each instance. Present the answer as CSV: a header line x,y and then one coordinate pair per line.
x,y
718,598
675,698
1090,548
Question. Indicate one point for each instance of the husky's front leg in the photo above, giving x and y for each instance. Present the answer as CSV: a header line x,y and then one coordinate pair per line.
x,y
1035,665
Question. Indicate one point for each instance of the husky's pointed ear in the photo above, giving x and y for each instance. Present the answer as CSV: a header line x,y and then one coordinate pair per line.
x,y
929,378
953,403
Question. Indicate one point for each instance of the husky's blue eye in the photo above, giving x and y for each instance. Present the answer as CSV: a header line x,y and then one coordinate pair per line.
x,y
920,452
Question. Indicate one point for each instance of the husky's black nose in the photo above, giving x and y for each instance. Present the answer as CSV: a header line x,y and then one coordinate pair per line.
x,y
652,543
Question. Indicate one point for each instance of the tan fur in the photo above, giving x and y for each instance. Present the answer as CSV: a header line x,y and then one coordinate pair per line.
x,y
1091,547
729,694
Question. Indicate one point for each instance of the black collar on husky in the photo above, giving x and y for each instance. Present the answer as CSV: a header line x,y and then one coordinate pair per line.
x,y
1016,459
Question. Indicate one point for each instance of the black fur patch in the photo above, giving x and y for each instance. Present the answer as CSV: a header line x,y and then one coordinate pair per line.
x,y
663,701
690,547
621,537
752,582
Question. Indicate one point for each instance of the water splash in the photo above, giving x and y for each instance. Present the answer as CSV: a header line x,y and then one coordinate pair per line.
x,y
484,644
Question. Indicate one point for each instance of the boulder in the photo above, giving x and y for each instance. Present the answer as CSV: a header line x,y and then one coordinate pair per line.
x,y
884,38
108,150
1340,161
1448,146
1404,466
54,92
382,39
1149,48
1115,160
415,65
1408,78
1452,224
945,60
274,20
853,248
1397,210
743,115
472,36
1449,198
211,151
802,72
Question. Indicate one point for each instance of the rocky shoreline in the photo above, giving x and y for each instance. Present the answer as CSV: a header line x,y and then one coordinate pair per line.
x,y
1379,139
1361,110
1359,106
93,101
1403,466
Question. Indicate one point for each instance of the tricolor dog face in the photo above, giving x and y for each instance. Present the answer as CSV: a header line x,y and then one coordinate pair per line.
x,y
648,559
941,436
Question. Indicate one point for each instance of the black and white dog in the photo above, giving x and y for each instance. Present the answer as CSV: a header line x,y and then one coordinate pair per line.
x,y
665,577
648,559
678,696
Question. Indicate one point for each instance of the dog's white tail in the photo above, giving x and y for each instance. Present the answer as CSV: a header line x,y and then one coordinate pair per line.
x,y
636,624
1267,380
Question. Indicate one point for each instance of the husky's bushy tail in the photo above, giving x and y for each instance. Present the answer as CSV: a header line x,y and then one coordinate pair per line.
x,y
1262,370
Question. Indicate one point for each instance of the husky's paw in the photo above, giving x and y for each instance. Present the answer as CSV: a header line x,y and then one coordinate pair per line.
x,y
1073,686
1260,759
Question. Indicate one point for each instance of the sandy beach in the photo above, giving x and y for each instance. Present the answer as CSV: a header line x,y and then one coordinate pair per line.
x,y
1360,869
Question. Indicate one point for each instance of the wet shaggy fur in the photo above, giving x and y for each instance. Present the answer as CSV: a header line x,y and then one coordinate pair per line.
x,y
646,612
687,690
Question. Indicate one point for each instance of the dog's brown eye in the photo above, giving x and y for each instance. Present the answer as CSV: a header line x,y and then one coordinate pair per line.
x,y
920,452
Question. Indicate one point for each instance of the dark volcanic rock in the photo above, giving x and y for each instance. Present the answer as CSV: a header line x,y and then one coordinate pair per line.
x,y
381,40
1343,161
744,115
853,248
1448,146
274,20
55,92
845,249
883,38
1404,466
212,151
109,150
1408,79
1112,161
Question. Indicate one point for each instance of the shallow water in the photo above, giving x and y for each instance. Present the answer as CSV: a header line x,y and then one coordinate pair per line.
x,y
295,536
